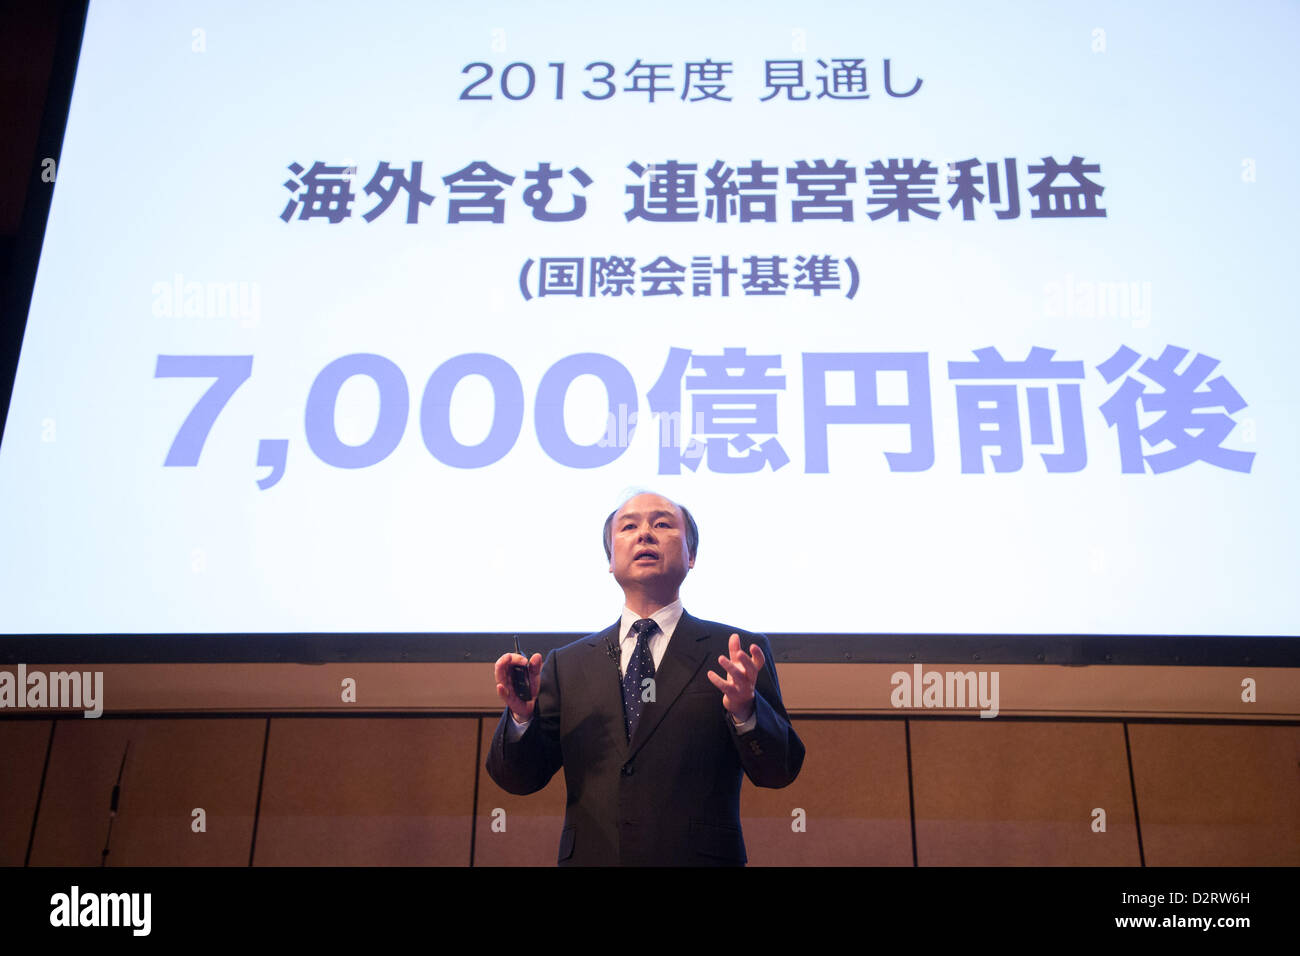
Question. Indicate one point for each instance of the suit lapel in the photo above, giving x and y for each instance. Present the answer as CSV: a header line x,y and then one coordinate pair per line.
x,y
686,652
603,683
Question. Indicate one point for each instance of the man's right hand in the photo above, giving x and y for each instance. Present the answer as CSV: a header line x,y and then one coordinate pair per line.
x,y
523,710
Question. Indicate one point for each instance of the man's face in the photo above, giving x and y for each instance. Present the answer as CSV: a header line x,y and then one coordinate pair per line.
x,y
648,544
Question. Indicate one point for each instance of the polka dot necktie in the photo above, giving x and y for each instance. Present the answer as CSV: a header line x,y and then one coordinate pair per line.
x,y
640,667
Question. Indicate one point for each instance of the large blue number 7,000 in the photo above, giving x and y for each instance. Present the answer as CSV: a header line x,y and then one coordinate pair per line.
x,y
230,372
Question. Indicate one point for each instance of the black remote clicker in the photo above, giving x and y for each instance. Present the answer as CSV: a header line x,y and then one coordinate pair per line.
x,y
519,681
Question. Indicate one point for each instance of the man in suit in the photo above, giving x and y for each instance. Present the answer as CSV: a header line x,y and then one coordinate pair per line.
x,y
652,741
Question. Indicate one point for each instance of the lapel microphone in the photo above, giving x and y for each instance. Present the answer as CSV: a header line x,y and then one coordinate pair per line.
x,y
615,655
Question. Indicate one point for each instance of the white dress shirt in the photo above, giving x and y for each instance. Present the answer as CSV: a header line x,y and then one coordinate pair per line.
x,y
666,617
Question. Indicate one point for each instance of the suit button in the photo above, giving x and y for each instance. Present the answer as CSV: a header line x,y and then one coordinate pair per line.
x,y
627,770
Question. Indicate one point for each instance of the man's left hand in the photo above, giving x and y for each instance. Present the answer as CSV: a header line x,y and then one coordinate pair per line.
x,y
742,673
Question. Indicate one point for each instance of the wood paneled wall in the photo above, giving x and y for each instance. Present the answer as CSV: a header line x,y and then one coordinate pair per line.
x,y
875,790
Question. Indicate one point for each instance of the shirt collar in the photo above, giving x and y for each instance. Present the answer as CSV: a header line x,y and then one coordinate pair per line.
x,y
666,617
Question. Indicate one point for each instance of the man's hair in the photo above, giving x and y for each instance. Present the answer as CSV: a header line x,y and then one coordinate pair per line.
x,y
692,532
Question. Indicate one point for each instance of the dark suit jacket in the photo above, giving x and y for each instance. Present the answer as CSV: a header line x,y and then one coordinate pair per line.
x,y
671,796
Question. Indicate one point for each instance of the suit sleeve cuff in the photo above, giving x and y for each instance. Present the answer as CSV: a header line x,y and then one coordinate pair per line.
x,y
514,729
748,725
